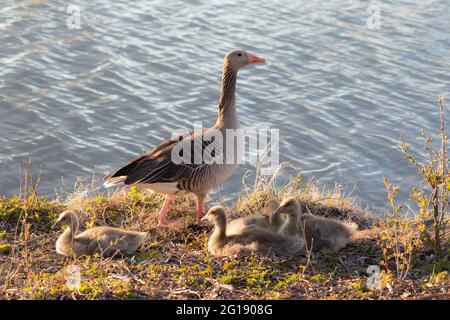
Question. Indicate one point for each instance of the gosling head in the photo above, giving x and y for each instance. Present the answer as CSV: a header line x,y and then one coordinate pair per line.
x,y
67,218
216,215
270,206
238,59
289,206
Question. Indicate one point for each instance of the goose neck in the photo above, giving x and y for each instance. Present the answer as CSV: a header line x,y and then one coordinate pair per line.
x,y
291,224
65,241
227,109
220,230
75,224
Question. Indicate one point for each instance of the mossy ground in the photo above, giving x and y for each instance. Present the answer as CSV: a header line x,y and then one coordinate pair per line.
x,y
175,264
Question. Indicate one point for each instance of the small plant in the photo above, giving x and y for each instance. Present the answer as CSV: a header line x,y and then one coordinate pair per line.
x,y
432,196
5,249
398,237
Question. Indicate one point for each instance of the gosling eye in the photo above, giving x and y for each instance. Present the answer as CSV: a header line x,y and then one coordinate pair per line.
x,y
239,54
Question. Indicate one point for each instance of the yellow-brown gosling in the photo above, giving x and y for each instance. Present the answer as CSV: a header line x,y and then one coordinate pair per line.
x,y
254,240
319,232
105,241
264,221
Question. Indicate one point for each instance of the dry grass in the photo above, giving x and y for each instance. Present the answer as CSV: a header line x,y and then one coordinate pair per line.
x,y
174,264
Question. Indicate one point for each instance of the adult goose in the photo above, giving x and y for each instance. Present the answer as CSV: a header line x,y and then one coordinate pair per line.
x,y
194,162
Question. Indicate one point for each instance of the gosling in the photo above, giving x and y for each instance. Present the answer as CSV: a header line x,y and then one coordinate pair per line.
x,y
248,241
319,232
105,241
265,221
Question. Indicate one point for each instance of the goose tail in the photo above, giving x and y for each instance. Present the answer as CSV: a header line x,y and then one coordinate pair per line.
x,y
141,236
113,181
351,226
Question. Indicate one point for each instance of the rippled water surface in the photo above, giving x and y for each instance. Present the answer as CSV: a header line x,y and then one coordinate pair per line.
x,y
342,95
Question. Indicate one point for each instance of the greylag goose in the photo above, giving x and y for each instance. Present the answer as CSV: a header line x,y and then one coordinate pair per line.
x,y
319,232
266,221
157,170
254,240
103,240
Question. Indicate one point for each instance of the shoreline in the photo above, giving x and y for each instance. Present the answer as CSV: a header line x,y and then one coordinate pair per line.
x,y
174,264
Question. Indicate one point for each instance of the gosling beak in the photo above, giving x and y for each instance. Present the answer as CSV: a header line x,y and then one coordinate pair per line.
x,y
54,226
204,218
278,211
252,59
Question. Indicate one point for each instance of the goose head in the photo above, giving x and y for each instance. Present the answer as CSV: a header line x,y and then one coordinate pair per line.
x,y
270,206
238,59
216,215
67,218
289,206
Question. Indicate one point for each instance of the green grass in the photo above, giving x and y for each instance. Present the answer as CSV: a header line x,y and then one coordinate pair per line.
x,y
175,264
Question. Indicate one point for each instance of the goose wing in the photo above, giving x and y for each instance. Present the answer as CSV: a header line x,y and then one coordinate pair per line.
x,y
157,164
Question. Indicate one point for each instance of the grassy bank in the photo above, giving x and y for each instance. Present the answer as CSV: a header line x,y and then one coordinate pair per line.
x,y
175,264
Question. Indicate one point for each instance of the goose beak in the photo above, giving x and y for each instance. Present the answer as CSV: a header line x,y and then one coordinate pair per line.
x,y
277,211
252,59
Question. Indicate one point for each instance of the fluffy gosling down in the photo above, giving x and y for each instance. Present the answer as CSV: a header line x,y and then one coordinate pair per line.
x,y
248,240
105,241
264,221
319,232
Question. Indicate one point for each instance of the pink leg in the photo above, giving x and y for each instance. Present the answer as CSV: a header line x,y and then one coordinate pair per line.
x,y
162,214
200,207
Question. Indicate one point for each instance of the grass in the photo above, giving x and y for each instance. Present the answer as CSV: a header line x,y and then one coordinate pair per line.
x,y
175,264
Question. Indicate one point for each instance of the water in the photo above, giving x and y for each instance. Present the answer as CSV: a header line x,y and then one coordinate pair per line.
x,y
341,94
